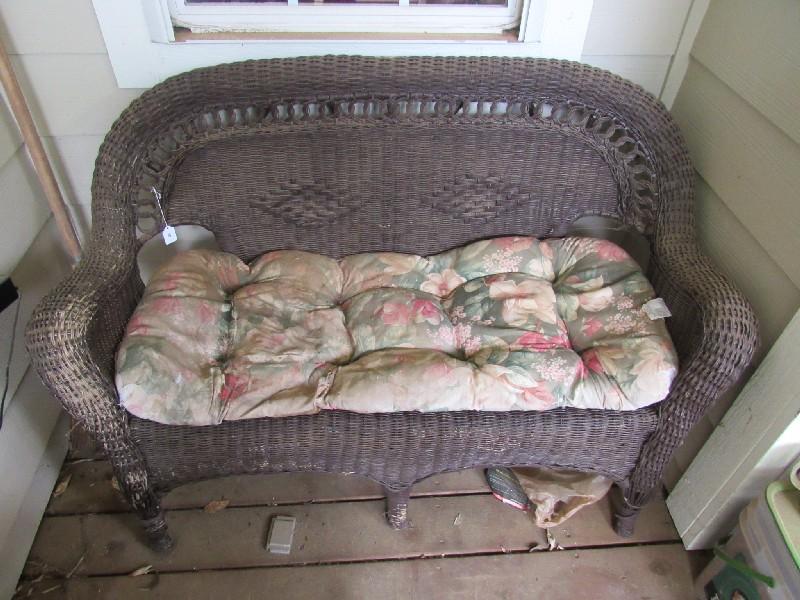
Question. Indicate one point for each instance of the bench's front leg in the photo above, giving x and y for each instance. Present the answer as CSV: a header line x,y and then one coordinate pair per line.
x,y
397,506
623,513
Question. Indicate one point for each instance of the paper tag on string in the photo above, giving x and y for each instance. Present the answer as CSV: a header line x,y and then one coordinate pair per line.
x,y
170,235
656,309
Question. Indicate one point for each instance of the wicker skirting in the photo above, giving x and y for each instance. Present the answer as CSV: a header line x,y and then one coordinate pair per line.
x,y
396,449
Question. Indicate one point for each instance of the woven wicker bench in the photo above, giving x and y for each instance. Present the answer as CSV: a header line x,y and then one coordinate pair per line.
x,y
342,155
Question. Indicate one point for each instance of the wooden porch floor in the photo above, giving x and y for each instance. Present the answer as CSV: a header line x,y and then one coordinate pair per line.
x,y
464,544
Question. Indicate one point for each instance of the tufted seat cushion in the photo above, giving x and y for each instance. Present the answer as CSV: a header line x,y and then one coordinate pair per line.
x,y
510,323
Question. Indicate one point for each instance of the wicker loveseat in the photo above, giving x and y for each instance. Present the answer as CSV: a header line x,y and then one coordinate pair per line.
x,y
340,155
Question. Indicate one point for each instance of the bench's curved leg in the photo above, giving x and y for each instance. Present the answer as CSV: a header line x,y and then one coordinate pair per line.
x,y
136,485
397,507
156,533
623,513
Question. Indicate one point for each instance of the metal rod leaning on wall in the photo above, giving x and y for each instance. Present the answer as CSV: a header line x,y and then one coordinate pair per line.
x,y
41,164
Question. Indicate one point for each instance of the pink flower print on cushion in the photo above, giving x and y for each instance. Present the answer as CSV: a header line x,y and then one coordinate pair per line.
x,y
609,251
234,386
206,314
531,298
136,326
597,300
231,274
168,306
538,397
513,244
438,370
465,340
546,248
533,340
171,280
502,261
395,313
592,361
426,310
581,370
591,327
441,284
535,395
654,370
444,337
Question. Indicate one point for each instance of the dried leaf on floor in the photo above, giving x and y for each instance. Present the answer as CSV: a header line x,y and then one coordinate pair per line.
x,y
552,543
141,571
62,486
216,506
457,520
115,483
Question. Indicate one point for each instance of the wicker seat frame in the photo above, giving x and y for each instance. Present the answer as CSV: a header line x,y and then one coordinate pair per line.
x,y
351,154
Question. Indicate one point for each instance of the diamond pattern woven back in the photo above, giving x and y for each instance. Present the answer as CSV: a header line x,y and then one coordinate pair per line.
x,y
389,186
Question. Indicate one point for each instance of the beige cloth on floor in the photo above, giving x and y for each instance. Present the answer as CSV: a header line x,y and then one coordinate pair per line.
x,y
557,494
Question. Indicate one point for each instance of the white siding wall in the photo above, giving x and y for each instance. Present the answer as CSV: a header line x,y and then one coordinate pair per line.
x,y
30,253
23,211
65,70
31,449
738,107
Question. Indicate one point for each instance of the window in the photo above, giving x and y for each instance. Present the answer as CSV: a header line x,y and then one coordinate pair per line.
x,y
149,40
350,16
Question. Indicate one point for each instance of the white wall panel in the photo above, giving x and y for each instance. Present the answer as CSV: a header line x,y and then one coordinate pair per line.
x,y
51,27
10,139
647,71
727,241
638,27
762,67
751,164
22,210
72,94
73,158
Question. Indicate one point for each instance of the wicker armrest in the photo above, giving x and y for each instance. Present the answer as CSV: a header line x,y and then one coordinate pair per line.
x,y
71,339
724,339
716,332
74,331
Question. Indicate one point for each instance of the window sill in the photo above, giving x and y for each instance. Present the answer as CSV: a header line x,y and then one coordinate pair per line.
x,y
183,35
145,49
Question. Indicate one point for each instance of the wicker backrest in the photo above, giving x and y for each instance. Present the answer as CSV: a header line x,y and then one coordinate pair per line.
x,y
349,154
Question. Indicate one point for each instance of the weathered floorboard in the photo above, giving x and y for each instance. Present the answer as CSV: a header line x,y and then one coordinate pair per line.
x,y
659,572
335,532
90,489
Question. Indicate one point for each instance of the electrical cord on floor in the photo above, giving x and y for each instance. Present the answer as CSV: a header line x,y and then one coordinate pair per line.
x,y
8,363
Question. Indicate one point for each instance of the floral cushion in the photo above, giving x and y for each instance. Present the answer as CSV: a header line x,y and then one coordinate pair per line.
x,y
509,323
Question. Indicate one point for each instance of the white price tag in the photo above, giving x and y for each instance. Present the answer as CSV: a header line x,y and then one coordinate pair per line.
x,y
656,309
170,235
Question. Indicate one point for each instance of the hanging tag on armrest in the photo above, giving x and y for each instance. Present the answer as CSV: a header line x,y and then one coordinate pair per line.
x,y
656,309
169,234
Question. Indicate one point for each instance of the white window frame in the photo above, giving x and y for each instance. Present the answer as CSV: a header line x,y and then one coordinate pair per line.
x,y
399,17
140,38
